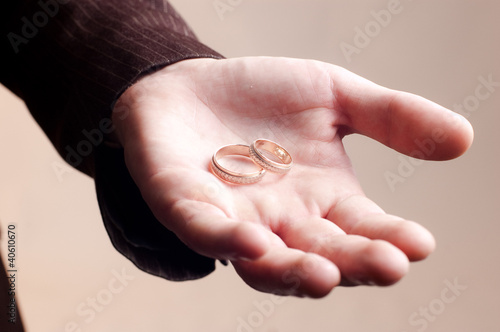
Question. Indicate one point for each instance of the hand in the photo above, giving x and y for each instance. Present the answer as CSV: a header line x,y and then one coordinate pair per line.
x,y
302,233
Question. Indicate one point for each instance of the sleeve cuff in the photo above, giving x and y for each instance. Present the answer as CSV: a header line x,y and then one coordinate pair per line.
x,y
133,229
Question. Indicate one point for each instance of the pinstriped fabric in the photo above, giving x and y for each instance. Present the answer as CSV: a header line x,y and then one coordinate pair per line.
x,y
71,72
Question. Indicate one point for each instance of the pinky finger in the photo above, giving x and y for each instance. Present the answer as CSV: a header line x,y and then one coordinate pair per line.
x,y
286,271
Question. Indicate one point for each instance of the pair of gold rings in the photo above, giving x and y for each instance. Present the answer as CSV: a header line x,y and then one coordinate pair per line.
x,y
257,153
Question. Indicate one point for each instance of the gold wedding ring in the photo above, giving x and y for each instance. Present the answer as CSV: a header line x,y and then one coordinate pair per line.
x,y
284,159
231,176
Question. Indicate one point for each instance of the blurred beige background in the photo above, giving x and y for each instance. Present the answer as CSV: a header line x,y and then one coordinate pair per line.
x,y
438,49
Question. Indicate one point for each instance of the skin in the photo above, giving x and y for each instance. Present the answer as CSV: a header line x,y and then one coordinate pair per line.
x,y
302,233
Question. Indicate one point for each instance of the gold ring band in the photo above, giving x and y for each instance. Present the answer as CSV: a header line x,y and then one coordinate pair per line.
x,y
275,149
230,176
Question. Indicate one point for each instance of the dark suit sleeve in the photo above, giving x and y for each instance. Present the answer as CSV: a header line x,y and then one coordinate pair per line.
x,y
69,61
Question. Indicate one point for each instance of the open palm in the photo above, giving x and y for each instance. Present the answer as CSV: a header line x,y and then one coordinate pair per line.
x,y
302,233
